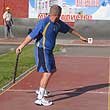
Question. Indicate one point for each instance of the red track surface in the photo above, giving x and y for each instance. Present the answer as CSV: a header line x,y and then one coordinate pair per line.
x,y
80,83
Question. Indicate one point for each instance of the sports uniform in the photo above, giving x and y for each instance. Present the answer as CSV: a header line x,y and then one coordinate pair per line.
x,y
45,33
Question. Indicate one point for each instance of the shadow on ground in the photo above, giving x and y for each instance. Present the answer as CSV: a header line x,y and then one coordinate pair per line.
x,y
69,93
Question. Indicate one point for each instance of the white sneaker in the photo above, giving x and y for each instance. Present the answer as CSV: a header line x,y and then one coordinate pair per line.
x,y
43,102
46,93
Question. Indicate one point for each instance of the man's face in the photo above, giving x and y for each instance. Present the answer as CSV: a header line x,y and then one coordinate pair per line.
x,y
56,17
8,10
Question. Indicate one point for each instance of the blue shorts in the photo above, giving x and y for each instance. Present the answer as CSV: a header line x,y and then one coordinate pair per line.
x,y
44,60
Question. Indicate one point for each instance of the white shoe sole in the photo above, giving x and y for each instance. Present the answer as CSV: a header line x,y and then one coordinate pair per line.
x,y
39,102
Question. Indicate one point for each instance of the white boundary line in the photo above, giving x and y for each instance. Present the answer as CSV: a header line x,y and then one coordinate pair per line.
x,y
17,81
32,90
20,76
76,56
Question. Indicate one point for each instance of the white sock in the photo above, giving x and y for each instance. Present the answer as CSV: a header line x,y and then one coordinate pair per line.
x,y
41,93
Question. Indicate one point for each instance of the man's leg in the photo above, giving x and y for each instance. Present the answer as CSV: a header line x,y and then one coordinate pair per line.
x,y
45,62
45,79
43,84
11,33
6,31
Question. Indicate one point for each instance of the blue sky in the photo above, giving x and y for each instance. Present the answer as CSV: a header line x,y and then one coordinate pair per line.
x,y
70,2
32,2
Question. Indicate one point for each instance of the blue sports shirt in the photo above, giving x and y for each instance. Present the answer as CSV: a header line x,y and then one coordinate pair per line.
x,y
45,32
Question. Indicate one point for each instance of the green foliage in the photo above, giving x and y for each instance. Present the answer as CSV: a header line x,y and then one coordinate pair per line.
x,y
7,64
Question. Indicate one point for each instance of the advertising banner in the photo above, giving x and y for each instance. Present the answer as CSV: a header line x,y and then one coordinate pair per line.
x,y
72,9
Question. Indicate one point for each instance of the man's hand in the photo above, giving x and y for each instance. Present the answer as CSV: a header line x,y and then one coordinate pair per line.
x,y
23,44
83,39
18,50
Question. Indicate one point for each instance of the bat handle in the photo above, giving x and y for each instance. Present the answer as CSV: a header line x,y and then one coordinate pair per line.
x,y
16,65
18,51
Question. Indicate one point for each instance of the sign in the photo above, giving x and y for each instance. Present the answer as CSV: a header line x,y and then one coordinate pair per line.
x,y
72,9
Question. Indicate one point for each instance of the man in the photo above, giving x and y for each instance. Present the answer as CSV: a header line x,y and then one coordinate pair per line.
x,y
45,33
8,22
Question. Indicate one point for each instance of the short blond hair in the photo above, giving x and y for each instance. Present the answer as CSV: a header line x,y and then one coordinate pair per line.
x,y
55,10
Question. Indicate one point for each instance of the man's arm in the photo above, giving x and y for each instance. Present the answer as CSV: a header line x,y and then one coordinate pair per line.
x,y
72,31
4,18
23,44
12,21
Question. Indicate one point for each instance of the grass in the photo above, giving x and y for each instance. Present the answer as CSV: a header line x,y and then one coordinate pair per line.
x,y
7,63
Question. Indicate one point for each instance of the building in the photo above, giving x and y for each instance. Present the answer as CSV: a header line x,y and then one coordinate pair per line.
x,y
19,8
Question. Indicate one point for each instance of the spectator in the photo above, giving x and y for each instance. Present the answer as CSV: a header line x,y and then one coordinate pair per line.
x,y
8,23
